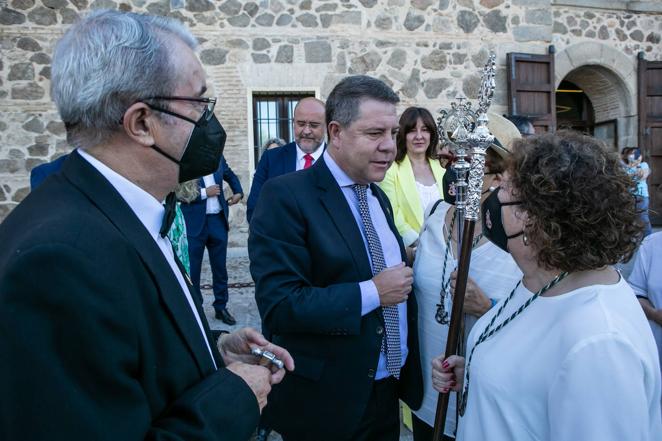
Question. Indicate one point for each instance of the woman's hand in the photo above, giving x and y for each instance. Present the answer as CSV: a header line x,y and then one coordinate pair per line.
x,y
475,301
448,374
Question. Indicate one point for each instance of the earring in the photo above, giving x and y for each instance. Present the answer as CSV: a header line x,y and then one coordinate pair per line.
x,y
492,188
525,240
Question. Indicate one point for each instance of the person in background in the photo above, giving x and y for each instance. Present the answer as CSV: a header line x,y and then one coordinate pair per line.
x,y
207,225
309,134
568,354
639,170
491,276
523,123
414,180
272,143
646,282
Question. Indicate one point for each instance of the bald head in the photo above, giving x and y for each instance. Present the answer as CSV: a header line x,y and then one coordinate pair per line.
x,y
308,124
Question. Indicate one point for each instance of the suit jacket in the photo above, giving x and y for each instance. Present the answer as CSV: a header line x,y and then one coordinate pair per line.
x,y
274,162
399,184
196,211
98,340
307,258
41,172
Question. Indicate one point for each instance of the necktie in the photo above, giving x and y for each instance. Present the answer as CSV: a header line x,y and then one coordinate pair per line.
x,y
169,214
391,344
309,160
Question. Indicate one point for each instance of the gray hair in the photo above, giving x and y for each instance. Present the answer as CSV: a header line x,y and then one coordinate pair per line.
x,y
108,61
343,103
279,141
188,191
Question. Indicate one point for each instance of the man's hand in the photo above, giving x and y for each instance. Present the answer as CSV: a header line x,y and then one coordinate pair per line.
x,y
213,190
235,198
258,378
237,347
475,301
394,284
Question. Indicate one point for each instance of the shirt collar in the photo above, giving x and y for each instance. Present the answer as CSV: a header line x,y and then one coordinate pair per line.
x,y
338,174
316,154
144,205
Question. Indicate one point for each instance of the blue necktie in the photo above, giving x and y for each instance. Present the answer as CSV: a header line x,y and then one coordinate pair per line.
x,y
391,344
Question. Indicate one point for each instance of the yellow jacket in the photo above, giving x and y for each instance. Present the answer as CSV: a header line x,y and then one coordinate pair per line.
x,y
399,185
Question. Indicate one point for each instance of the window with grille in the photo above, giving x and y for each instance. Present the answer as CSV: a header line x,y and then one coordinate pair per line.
x,y
272,117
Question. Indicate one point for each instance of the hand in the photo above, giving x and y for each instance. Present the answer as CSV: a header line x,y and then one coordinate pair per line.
x,y
394,284
411,254
237,347
445,373
475,301
213,190
235,198
258,378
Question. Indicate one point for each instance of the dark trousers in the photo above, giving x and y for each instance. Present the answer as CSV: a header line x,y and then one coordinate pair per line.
x,y
381,419
213,236
423,432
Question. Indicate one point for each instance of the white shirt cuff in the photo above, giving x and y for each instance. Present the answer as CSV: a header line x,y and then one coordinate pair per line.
x,y
369,297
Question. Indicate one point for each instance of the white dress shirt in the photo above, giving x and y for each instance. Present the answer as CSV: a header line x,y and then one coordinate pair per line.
x,y
213,206
300,155
150,212
390,248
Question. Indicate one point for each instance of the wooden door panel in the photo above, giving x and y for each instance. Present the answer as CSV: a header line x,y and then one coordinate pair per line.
x,y
531,90
649,78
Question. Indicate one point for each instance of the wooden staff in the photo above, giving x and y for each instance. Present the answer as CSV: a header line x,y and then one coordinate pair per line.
x,y
480,139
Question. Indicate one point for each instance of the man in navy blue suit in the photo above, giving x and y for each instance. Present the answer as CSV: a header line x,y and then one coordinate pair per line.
x,y
207,226
309,134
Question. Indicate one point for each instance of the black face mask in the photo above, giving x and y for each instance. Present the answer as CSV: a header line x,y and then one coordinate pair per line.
x,y
492,224
203,150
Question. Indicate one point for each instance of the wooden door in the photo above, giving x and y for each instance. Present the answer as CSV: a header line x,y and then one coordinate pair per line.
x,y
531,90
650,129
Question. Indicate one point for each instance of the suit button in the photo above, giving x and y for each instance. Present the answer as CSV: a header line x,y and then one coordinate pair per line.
x,y
371,373
380,330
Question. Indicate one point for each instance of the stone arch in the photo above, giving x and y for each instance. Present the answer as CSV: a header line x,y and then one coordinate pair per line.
x,y
609,79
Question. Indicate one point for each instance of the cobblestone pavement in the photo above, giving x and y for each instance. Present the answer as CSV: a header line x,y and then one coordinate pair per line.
x,y
242,303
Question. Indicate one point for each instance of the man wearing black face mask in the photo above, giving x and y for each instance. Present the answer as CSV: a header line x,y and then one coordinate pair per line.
x,y
103,329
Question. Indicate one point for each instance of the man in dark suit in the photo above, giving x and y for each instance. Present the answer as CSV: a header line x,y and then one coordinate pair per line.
x,y
331,283
207,226
308,146
100,332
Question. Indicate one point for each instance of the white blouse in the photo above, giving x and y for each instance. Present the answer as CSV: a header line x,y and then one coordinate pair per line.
x,y
428,194
578,366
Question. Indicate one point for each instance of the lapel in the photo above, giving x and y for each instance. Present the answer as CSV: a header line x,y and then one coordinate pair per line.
x,y
339,212
438,172
408,183
104,196
388,212
289,157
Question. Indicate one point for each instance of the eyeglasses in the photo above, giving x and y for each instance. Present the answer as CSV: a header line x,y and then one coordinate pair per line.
x,y
207,112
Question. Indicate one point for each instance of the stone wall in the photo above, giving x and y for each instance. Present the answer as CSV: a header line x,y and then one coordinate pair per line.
x,y
429,51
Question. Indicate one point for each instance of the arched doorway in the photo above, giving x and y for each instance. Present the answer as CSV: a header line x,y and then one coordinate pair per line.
x,y
591,99
608,79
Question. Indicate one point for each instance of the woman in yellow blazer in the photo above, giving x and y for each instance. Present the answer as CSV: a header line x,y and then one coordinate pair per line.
x,y
415,178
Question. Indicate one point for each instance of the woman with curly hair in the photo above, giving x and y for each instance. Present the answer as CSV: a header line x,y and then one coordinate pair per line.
x,y
568,354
